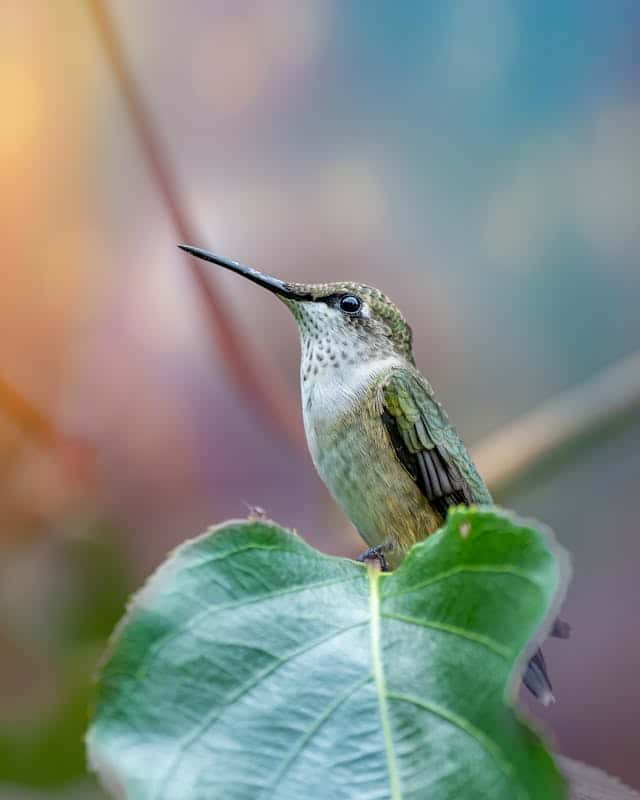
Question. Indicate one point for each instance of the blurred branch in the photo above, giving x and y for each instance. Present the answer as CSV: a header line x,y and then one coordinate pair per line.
x,y
569,421
589,783
259,385
26,416
74,456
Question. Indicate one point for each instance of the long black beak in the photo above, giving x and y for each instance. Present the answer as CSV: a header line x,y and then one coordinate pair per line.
x,y
274,285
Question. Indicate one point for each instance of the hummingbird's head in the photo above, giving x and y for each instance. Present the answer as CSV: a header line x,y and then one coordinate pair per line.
x,y
348,317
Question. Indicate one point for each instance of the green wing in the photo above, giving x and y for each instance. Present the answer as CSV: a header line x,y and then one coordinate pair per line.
x,y
438,461
427,445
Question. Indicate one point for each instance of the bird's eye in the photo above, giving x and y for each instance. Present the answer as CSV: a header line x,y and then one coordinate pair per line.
x,y
350,304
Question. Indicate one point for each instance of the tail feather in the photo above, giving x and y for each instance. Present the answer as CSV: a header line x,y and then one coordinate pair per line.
x,y
561,629
537,680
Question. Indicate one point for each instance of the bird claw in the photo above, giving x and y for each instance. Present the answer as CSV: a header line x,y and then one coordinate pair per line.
x,y
377,554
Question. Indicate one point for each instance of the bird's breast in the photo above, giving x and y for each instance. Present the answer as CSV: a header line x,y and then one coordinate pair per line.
x,y
338,396
352,452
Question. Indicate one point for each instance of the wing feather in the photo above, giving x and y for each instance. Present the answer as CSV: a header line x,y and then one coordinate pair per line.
x,y
427,445
437,460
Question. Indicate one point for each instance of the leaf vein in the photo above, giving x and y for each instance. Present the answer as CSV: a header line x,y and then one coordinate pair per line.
x,y
482,569
468,728
241,691
478,638
314,728
158,646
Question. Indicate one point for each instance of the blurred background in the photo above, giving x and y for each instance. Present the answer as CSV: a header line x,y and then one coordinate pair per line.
x,y
478,161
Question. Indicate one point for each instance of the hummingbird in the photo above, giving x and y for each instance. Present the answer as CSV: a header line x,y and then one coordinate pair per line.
x,y
379,439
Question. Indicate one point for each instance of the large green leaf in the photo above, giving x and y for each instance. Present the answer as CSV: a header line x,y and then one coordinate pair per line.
x,y
252,666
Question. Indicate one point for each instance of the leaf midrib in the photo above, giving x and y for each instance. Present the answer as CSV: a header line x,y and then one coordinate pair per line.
x,y
488,744
381,689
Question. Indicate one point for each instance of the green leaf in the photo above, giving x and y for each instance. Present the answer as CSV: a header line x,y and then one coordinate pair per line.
x,y
252,666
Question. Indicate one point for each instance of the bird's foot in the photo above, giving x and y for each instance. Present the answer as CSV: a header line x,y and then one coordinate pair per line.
x,y
375,554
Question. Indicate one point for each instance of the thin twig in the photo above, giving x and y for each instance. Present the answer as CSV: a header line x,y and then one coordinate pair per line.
x,y
30,420
258,384
569,420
